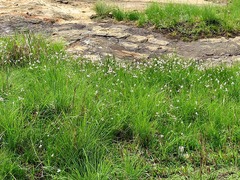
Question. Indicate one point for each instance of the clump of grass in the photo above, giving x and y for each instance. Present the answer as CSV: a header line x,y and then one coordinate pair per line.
x,y
162,118
188,21
118,14
10,167
23,49
184,21
102,9
133,15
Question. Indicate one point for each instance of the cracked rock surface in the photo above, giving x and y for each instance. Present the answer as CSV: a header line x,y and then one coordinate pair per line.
x,y
71,22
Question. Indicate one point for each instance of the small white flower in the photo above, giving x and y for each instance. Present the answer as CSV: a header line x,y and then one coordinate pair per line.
x,y
186,156
20,98
181,149
1,99
58,170
110,70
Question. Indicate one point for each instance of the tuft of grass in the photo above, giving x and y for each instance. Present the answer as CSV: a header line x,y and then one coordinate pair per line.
x,y
102,9
10,167
25,49
133,15
118,14
68,118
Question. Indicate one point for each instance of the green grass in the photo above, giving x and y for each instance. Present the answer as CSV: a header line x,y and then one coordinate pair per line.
x,y
25,49
187,22
102,9
65,118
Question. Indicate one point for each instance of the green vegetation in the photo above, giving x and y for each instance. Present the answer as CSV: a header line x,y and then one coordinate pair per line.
x,y
65,118
188,22
26,49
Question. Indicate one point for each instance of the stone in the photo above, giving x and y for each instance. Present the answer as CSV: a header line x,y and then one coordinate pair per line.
x,y
209,53
77,49
137,39
92,57
62,1
130,55
152,47
109,32
100,32
214,40
117,33
129,46
159,42
236,40
69,36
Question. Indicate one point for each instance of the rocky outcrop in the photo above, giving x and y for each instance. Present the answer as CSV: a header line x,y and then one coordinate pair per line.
x,y
70,21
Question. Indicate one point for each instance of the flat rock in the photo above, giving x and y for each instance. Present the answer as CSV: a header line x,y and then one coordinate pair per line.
x,y
69,35
152,47
109,32
99,31
129,46
96,39
117,33
137,39
214,40
123,54
77,49
159,42
62,1
236,40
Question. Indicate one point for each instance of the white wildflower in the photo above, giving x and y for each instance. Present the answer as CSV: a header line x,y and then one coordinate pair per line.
x,y
20,98
186,156
181,149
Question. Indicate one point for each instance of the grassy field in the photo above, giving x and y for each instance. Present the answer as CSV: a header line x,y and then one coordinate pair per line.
x,y
182,21
65,118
